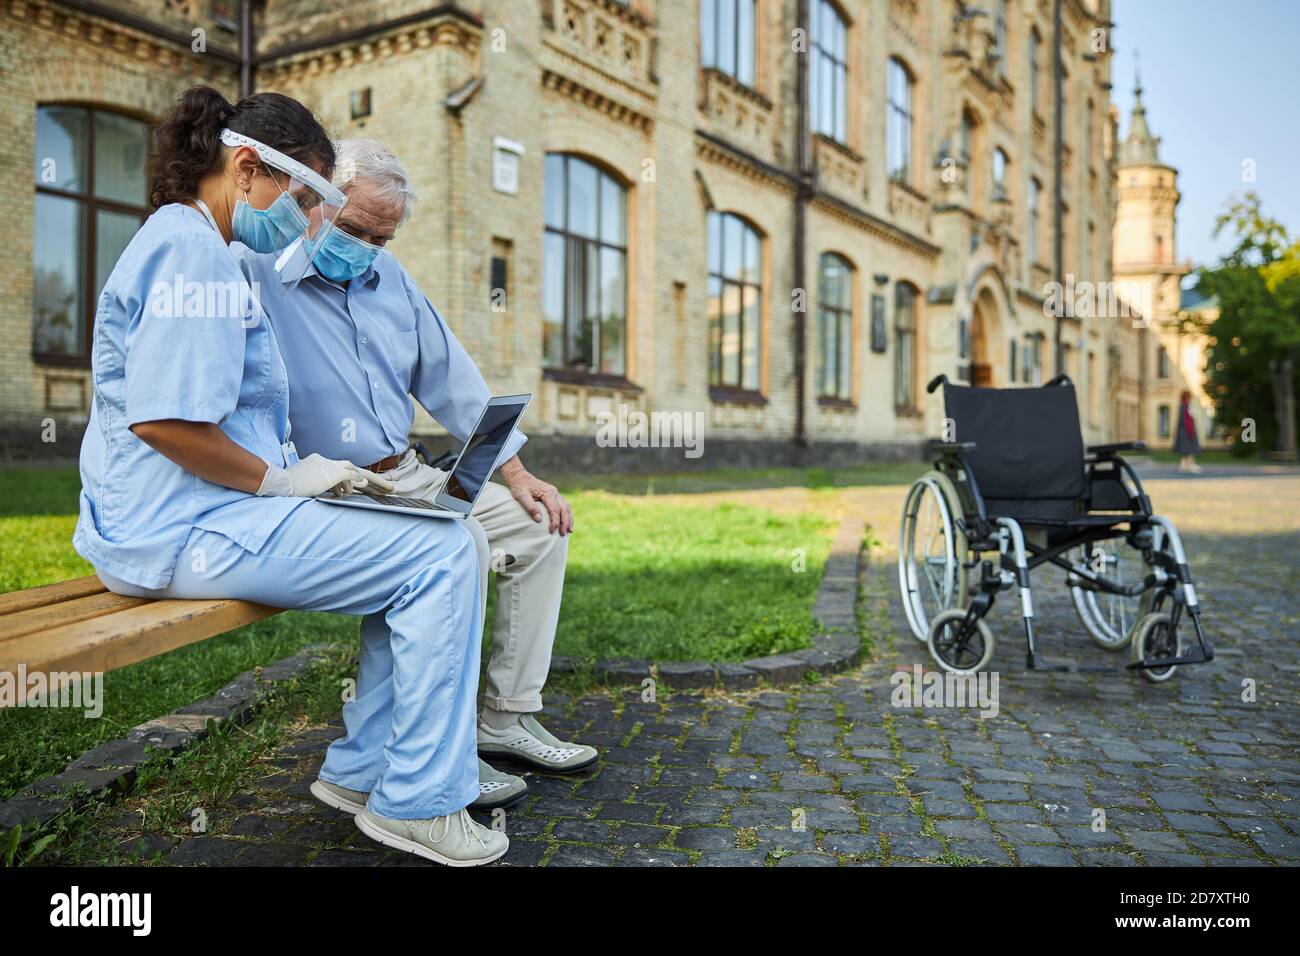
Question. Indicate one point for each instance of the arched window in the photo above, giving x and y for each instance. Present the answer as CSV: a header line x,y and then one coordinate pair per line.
x,y
835,328
830,71
904,346
999,173
91,197
727,38
735,301
898,122
584,279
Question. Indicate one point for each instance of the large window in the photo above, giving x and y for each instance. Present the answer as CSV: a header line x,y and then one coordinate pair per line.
x,y
904,346
727,37
1031,245
735,301
90,199
898,122
829,72
584,283
835,328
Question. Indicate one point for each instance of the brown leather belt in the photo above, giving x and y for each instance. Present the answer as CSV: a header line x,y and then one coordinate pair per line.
x,y
384,464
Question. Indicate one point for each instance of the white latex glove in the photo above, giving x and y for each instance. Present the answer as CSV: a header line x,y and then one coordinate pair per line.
x,y
315,475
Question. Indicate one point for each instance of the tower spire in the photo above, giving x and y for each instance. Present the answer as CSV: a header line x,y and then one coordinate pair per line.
x,y
1140,147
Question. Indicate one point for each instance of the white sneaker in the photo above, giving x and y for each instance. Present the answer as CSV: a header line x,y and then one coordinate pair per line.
x,y
530,743
453,840
340,798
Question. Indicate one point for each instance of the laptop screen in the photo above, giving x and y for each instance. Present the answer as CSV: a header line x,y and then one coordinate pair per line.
x,y
478,459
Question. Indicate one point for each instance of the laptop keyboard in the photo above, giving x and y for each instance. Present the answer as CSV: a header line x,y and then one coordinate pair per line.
x,y
400,502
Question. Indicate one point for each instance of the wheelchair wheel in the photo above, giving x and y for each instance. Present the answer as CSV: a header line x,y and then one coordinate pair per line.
x,y
931,552
1153,637
957,646
1109,618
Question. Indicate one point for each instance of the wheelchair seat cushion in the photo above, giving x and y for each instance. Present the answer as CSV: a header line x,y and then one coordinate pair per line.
x,y
1028,457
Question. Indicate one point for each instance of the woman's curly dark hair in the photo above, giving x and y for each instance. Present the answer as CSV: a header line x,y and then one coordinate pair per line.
x,y
187,141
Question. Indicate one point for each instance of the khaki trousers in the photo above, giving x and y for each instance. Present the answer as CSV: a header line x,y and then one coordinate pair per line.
x,y
529,562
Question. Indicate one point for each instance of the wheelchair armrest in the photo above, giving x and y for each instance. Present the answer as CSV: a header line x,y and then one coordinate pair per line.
x,y
1106,451
934,448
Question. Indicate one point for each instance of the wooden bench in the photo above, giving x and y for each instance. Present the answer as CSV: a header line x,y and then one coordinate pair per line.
x,y
80,625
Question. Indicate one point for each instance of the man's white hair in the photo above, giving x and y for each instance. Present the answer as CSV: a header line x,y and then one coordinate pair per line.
x,y
370,161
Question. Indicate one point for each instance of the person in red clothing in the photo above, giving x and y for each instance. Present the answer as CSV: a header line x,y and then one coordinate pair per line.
x,y
1185,441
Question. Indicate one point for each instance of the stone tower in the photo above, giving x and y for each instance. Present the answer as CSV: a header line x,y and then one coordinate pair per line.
x,y
1148,274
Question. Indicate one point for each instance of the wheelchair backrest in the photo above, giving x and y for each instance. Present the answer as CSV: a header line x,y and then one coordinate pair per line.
x,y
1028,446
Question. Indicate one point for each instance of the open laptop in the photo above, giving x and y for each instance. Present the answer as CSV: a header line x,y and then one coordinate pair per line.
x,y
474,466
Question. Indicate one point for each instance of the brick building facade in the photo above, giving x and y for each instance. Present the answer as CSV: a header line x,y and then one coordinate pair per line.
x,y
787,215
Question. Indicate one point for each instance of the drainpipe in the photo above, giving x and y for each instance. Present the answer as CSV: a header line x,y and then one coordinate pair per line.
x,y
1058,239
801,197
247,48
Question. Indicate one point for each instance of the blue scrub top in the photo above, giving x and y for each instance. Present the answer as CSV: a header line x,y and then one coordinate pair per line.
x,y
178,334
357,353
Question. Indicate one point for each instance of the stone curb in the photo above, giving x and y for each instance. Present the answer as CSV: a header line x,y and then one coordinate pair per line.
x,y
836,648
112,765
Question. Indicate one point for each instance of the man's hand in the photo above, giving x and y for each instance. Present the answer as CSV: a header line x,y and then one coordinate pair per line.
x,y
539,498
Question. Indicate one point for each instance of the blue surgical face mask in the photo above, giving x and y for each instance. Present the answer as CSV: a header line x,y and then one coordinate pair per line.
x,y
269,229
342,257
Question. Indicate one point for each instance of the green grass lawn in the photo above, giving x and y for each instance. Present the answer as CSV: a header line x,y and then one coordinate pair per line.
x,y
648,576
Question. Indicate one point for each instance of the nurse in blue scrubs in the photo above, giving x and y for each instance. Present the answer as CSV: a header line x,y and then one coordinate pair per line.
x,y
191,487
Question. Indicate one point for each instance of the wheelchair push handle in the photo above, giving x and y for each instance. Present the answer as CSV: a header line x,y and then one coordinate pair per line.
x,y
935,383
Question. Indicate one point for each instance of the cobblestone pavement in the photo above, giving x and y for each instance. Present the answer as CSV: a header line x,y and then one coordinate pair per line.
x,y
831,774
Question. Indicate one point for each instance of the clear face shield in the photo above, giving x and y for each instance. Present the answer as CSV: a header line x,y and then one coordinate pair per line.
x,y
296,224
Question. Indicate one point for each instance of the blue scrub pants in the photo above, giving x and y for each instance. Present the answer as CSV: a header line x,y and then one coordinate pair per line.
x,y
411,738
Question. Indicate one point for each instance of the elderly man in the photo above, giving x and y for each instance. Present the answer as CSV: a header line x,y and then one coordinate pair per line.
x,y
358,339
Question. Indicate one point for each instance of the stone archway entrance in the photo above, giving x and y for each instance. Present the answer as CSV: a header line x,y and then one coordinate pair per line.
x,y
984,322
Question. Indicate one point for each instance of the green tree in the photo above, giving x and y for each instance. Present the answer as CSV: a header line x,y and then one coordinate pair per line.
x,y
1254,343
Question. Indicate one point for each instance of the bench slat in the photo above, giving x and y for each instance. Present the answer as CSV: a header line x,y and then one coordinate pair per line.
x,y
16,601
127,636
65,612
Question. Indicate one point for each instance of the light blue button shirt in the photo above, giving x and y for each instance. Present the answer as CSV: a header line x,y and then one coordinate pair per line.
x,y
356,354
176,336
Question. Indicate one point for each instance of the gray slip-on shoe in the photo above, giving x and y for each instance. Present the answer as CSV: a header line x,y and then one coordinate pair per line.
x,y
530,743
497,789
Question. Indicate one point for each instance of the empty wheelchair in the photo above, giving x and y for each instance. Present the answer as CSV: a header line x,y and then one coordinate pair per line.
x,y
1012,489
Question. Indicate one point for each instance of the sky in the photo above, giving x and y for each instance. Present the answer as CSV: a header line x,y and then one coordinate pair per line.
x,y
1221,83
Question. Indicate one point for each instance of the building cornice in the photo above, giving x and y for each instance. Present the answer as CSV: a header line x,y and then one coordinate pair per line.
x,y
573,89
716,149
120,33
448,26
359,37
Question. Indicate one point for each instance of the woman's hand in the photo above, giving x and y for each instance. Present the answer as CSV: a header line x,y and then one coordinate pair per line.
x,y
315,475
203,449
